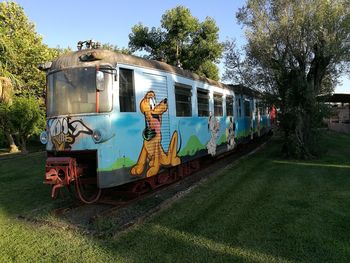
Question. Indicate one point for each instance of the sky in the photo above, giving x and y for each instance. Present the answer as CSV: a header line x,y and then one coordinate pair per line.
x,y
62,23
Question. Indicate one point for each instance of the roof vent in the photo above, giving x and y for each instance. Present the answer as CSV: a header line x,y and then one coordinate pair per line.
x,y
89,44
45,66
91,56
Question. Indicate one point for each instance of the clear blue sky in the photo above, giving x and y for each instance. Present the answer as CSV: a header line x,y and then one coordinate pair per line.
x,y
64,22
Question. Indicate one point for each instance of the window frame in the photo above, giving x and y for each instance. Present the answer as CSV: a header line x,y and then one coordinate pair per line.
x,y
206,95
215,107
247,102
107,93
56,77
239,107
132,104
227,105
183,88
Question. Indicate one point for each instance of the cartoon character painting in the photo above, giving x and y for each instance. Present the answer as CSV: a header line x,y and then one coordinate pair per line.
x,y
152,151
230,135
63,132
213,127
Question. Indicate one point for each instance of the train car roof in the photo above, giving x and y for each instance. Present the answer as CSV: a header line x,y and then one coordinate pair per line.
x,y
103,58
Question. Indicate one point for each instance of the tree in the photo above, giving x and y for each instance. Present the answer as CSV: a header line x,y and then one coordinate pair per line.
x,y
245,70
301,47
115,48
21,51
6,93
182,40
6,59
26,117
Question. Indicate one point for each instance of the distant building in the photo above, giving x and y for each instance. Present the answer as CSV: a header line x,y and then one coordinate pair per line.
x,y
340,118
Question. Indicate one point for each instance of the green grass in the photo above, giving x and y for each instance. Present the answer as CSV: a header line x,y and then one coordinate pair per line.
x,y
263,209
33,145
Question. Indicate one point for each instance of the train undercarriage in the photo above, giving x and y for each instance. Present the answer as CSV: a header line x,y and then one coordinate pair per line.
x,y
78,169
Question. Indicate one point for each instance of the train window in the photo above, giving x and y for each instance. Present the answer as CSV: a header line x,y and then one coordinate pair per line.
x,y
259,108
247,108
73,91
229,105
183,97
203,103
217,104
105,95
126,90
239,111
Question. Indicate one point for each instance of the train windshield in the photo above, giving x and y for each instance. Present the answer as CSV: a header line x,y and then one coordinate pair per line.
x,y
74,91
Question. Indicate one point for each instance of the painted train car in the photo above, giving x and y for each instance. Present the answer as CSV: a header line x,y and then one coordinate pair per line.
x,y
113,119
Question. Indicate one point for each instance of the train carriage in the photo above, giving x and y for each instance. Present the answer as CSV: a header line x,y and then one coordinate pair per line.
x,y
114,118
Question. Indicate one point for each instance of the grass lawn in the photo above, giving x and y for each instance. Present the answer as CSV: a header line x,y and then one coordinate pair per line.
x,y
262,209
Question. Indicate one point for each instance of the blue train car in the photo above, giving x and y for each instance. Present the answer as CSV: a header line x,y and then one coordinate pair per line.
x,y
116,118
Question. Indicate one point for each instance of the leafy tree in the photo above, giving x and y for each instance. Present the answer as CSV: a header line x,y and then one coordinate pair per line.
x,y
245,70
21,50
150,40
6,59
115,48
181,40
6,96
26,118
6,91
298,48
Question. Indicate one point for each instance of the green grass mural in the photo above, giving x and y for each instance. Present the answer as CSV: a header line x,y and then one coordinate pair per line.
x,y
222,139
118,164
193,145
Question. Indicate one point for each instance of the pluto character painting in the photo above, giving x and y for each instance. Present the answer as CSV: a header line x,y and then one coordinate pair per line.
x,y
152,152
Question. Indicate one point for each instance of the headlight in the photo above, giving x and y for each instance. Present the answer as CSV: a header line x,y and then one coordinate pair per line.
x,y
97,136
43,137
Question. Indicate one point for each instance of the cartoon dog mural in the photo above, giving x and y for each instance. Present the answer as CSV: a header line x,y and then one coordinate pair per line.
x,y
152,149
63,132
230,135
213,127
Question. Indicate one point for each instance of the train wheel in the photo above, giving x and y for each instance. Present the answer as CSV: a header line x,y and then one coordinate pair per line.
x,y
141,187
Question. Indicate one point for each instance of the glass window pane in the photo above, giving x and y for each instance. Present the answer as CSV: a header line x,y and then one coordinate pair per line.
x,y
183,100
203,103
218,105
72,91
105,96
239,107
126,91
247,108
229,106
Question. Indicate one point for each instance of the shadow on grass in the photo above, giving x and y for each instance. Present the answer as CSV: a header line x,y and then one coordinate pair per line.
x,y
157,243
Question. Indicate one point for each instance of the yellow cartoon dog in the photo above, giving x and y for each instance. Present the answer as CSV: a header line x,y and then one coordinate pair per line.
x,y
152,150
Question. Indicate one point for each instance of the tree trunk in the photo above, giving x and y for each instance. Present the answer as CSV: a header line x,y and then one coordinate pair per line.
x,y
301,134
23,145
12,145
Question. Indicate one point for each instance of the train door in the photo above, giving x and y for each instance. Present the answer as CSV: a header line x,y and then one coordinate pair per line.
x,y
158,84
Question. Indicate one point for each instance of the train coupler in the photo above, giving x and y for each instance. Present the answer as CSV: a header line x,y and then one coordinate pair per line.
x,y
60,172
